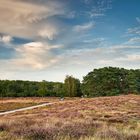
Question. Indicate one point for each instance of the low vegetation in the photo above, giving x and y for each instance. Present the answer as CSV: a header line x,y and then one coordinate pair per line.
x,y
102,118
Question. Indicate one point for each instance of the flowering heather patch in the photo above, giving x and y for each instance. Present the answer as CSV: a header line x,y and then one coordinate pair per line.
x,y
103,118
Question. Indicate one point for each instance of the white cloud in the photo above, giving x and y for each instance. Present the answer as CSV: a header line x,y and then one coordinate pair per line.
x,y
32,56
96,14
39,56
134,31
6,39
99,7
95,40
133,40
84,27
118,56
49,32
25,19
130,58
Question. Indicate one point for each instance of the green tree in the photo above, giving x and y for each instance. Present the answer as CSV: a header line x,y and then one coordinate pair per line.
x,y
105,81
99,82
42,91
137,74
72,86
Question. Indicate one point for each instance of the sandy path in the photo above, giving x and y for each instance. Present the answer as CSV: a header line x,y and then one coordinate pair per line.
x,y
26,108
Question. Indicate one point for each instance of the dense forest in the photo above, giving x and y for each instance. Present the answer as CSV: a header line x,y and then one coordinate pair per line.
x,y
106,81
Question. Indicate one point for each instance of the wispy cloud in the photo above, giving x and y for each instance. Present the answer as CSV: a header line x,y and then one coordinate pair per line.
x,y
83,27
95,40
138,19
130,58
134,31
133,40
99,7
88,58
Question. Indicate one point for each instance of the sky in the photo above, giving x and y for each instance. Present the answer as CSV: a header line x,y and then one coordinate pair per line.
x,y
49,39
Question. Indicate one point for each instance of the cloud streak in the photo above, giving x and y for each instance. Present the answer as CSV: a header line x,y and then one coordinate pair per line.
x,y
83,27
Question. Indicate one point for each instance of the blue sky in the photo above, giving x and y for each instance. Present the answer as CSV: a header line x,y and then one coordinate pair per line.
x,y
49,39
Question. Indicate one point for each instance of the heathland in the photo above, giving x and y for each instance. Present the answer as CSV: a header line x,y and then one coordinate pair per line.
x,y
100,118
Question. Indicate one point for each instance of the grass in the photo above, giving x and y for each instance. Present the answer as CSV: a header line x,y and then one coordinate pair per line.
x,y
11,106
103,118
7,104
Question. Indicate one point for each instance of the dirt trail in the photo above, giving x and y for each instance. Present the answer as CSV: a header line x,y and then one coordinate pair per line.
x,y
24,109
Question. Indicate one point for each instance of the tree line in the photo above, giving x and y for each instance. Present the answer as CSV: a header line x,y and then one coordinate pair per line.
x,y
105,81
